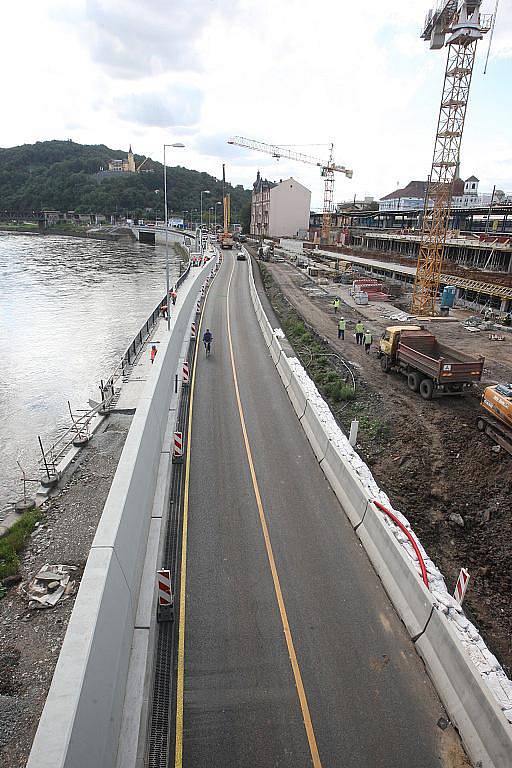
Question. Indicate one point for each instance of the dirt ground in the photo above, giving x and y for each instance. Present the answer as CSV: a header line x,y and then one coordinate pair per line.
x,y
30,640
428,456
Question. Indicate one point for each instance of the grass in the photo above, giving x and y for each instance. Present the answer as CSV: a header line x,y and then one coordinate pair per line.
x,y
316,357
13,542
10,226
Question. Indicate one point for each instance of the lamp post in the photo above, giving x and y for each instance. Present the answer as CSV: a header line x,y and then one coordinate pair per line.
x,y
215,209
203,192
176,145
184,219
210,209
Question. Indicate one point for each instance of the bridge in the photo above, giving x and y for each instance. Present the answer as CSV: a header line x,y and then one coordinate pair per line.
x,y
306,614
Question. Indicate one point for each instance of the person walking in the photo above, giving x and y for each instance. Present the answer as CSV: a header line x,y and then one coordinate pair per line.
x,y
173,296
368,338
359,331
341,328
154,350
336,304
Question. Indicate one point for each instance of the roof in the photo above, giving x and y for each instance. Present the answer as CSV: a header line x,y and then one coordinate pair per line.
x,y
472,178
261,183
413,189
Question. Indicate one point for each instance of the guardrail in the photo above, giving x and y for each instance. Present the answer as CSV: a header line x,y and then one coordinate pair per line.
x,y
80,425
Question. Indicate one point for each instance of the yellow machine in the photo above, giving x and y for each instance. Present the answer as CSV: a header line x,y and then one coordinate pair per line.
x,y
226,238
497,420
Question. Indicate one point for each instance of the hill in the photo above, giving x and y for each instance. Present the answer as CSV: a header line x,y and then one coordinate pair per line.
x,y
63,176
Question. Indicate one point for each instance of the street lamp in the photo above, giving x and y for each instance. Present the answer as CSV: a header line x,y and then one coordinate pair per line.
x,y
203,192
176,145
185,219
210,209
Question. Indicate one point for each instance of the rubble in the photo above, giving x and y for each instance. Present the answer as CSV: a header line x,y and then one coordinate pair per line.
x,y
49,585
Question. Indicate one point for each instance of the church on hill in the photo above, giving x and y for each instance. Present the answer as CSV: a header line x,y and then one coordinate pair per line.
x,y
123,166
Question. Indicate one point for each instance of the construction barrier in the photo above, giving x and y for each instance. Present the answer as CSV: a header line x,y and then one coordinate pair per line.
x,y
186,373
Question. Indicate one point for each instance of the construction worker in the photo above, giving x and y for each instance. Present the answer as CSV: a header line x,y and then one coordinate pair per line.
x,y
341,328
359,331
336,304
368,338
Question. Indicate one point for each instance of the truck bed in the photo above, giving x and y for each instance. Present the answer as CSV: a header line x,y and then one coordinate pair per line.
x,y
421,350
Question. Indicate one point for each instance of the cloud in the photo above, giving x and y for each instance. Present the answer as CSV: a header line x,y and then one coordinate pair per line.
x,y
178,105
131,40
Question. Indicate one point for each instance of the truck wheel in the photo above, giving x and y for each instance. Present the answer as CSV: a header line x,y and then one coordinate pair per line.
x,y
413,381
427,389
384,364
480,425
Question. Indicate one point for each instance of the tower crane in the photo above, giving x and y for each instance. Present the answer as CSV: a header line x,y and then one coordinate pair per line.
x,y
459,25
328,170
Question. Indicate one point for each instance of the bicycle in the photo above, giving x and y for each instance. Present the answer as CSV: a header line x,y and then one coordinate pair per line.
x,y
207,341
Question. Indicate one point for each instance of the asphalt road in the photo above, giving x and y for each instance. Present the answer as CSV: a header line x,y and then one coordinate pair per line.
x,y
247,699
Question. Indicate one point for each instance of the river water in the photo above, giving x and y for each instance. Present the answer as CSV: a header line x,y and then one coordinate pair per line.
x,y
69,308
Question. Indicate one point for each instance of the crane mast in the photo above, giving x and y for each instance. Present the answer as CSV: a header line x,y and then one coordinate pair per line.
x,y
327,171
462,22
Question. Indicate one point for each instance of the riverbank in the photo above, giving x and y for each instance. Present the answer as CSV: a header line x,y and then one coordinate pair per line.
x,y
68,230
30,639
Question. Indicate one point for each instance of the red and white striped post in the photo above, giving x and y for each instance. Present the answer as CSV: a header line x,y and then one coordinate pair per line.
x,y
198,307
177,448
193,331
186,373
461,586
165,607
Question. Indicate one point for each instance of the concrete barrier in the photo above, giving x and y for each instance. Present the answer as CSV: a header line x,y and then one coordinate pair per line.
x,y
80,723
349,490
412,600
284,370
485,732
315,432
275,349
297,397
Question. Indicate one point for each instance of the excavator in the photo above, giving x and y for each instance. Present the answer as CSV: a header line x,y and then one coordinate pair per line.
x,y
497,420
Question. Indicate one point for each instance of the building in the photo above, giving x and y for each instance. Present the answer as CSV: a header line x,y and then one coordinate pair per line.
x,y
412,197
123,166
279,209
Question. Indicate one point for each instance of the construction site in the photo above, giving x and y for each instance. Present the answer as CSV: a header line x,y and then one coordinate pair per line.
x,y
431,291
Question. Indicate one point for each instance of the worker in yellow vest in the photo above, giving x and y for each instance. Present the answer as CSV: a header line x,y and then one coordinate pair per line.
x,y
359,331
341,328
368,338
336,304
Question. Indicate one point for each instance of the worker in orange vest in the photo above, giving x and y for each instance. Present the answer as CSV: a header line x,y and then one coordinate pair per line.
x,y
153,353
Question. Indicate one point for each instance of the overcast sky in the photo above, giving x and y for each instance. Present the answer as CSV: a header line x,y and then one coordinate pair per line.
x,y
293,72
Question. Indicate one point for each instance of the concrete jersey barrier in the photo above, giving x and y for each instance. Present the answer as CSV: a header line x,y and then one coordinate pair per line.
x,y
80,723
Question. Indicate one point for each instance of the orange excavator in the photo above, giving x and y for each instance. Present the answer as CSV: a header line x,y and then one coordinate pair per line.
x,y
497,420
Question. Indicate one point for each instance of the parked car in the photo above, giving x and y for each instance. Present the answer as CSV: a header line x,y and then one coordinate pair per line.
x,y
240,256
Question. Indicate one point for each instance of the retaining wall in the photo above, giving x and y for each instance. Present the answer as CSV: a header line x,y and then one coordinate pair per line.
x,y
470,682
80,723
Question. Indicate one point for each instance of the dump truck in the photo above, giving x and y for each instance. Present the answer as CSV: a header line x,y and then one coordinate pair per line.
x,y
431,368
496,416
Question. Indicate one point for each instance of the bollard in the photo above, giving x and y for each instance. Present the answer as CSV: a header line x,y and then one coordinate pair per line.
x,y
186,373
165,608
193,331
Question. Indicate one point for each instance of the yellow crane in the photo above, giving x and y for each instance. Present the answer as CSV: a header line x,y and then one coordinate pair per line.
x,y
226,238
459,25
328,170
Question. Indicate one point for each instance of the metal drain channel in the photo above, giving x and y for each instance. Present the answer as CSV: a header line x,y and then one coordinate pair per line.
x,y
164,694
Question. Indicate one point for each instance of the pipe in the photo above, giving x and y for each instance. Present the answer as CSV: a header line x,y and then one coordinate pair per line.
x,y
409,536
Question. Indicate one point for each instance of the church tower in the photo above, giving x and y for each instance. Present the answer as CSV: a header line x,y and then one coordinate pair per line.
x,y
131,161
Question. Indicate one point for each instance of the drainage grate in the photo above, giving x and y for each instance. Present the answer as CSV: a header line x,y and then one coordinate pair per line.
x,y
161,731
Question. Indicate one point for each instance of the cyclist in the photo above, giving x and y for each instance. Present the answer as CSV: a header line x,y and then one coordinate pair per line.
x,y
207,340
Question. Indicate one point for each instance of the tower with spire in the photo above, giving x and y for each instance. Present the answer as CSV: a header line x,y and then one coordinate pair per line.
x,y
130,161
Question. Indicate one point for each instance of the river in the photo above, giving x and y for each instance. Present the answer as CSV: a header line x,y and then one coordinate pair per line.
x,y
69,308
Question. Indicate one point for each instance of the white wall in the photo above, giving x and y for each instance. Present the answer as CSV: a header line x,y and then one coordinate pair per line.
x,y
290,204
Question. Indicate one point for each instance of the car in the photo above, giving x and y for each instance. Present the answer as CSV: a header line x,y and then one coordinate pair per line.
x,y
240,256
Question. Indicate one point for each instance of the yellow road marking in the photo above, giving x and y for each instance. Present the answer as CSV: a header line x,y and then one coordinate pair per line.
x,y
178,754
270,554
